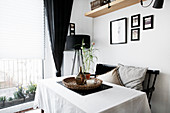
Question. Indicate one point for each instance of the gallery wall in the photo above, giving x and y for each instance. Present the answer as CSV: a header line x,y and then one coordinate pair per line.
x,y
152,50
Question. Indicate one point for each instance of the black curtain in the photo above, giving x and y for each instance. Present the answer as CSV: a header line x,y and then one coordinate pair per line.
x,y
58,16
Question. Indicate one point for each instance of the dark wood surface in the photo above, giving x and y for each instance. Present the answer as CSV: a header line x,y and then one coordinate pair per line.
x,y
24,110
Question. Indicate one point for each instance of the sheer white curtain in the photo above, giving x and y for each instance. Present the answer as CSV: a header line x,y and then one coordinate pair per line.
x,y
21,29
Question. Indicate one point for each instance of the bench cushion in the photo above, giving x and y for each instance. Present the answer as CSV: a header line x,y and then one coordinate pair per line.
x,y
111,77
132,77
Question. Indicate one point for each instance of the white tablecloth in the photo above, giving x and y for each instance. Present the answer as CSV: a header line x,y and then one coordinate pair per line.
x,y
55,98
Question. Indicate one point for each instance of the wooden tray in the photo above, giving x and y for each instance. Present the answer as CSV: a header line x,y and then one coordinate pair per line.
x,y
71,84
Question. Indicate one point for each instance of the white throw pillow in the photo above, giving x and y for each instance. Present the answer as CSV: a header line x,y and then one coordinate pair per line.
x,y
111,77
132,77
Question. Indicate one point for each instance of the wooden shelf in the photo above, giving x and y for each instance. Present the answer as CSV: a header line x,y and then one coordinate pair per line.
x,y
115,5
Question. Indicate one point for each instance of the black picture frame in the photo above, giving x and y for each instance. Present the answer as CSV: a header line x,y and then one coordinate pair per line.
x,y
135,20
72,28
135,34
118,31
148,22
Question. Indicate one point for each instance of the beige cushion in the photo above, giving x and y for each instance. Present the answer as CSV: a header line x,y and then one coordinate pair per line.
x,y
132,77
111,76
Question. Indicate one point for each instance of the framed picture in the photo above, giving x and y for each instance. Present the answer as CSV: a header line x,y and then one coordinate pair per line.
x,y
135,34
148,22
135,20
72,28
118,31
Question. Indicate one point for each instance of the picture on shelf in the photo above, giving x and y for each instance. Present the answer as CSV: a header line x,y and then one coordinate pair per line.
x,y
135,20
148,22
135,34
118,31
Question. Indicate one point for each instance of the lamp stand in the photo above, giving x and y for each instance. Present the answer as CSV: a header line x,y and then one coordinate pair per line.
x,y
78,53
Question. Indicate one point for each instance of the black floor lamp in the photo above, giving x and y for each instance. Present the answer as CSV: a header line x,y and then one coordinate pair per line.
x,y
74,42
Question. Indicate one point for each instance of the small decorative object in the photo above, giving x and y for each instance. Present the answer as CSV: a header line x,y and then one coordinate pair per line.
x,y
118,31
90,81
72,28
87,75
158,4
148,22
88,57
135,34
108,2
80,78
135,20
97,3
71,84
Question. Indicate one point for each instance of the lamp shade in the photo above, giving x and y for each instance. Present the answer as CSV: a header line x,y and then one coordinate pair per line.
x,y
74,42
158,4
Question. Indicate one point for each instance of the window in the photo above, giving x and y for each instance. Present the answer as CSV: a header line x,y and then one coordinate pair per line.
x,y
21,42
21,29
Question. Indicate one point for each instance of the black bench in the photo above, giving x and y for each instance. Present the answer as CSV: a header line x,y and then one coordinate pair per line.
x,y
148,84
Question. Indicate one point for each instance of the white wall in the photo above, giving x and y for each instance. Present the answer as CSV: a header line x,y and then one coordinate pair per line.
x,y
153,49
83,25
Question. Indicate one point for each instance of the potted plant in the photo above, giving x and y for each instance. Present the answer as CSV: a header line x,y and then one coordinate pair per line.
x,y
19,96
2,101
9,102
31,91
88,58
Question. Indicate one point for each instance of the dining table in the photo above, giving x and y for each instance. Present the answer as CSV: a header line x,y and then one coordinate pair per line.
x,y
53,97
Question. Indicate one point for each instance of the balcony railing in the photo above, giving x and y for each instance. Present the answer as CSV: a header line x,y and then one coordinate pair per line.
x,y
19,72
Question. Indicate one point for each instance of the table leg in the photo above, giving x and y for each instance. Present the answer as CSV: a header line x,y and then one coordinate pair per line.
x,y
42,111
